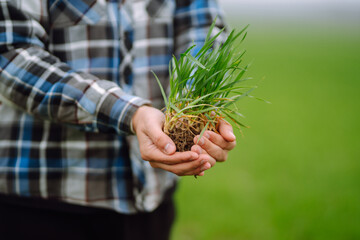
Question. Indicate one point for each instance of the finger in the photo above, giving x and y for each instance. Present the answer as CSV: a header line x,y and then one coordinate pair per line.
x,y
160,139
155,155
197,149
202,152
184,169
207,163
212,149
219,140
150,152
226,131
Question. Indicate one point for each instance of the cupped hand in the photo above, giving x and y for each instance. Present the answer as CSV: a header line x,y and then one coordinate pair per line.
x,y
216,145
158,148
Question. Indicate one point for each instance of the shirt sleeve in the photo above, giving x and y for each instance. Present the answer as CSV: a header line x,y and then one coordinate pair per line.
x,y
35,81
192,21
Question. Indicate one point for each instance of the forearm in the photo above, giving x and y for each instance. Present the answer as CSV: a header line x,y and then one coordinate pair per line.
x,y
38,83
35,81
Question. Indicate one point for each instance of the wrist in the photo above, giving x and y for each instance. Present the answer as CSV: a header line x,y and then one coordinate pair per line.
x,y
137,117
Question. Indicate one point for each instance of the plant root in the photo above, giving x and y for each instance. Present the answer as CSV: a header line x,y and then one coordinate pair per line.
x,y
183,130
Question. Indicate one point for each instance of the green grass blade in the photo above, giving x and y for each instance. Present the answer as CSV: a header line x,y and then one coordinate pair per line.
x,y
196,62
161,88
202,132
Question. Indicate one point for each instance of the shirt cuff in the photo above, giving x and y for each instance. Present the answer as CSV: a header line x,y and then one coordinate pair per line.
x,y
116,112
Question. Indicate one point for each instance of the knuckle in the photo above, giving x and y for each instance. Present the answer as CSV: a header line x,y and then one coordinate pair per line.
x,y
216,154
229,145
232,145
164,161
167,162
157,139
220,156
224,157
154,165
144,156
177,172
195,164
196,172
207,142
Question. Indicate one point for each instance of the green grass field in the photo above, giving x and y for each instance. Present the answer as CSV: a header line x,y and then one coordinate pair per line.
x,y
296,172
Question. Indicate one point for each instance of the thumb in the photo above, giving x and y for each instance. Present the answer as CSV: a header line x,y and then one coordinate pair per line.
x,y
161,140
151,121
153,126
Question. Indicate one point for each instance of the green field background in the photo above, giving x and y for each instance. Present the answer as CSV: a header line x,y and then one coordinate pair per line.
x,y
295,174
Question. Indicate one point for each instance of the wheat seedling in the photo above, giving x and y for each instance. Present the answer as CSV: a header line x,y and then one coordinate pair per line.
x,y
204,89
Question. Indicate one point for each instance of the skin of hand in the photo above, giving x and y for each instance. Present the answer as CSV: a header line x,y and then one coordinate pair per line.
x,y
158,148
216,145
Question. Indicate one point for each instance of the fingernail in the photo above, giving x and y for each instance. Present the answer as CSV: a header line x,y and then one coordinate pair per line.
x,y
202,141
167,148
201,174
199,150
207,135
194,156
232,134
206,167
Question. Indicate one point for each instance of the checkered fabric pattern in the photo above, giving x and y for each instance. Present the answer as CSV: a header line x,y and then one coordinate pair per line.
x,y
72,74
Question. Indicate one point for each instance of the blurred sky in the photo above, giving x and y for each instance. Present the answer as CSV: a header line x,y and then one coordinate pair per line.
x,y
333,11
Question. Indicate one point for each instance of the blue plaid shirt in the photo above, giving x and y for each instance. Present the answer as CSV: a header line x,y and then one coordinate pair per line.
x,y
72,74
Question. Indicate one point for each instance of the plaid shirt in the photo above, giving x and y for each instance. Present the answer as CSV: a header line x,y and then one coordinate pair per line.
x,y
72,74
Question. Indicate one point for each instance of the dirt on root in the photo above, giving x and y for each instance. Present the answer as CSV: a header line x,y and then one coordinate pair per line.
x,y
183,131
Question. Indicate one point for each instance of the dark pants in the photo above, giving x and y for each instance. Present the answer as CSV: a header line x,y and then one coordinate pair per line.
x,y
42,219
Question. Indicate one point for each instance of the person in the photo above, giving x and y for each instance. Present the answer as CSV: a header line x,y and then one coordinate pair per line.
x,y
82,151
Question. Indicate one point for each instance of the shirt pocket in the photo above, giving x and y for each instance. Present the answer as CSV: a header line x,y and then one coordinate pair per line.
x,y
66,13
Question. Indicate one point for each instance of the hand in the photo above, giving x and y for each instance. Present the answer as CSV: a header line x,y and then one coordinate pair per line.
x,y
158,148
216,145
